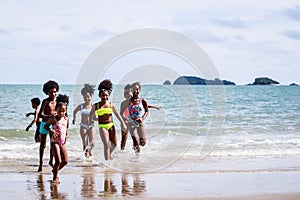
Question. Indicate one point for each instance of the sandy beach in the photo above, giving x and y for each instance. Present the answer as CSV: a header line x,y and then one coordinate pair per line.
x,y
97,181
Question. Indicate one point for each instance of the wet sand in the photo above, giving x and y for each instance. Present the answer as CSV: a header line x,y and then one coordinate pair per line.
x,y
92,182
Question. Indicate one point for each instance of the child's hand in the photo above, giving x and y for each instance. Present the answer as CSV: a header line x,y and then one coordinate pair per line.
x,y
27,114
139,120
54,134
28,127
73,122
123,127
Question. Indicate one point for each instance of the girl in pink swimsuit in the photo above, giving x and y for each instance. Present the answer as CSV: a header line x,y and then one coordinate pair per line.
x,y
58,134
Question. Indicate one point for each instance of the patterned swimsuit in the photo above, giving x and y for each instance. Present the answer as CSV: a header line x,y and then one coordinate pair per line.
x,y
61,128
135,112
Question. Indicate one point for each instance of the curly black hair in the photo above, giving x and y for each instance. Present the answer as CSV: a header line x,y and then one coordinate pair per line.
x,y
62,98
87,88
105,85
36,101
50,85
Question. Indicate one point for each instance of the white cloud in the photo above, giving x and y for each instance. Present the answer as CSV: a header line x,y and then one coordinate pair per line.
x,y
292,34
294,13
244,38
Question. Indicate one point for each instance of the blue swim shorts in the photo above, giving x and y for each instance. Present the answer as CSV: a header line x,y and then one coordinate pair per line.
x,y
42,129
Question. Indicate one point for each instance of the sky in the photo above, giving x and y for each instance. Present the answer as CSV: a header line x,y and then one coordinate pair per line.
x,y
42,40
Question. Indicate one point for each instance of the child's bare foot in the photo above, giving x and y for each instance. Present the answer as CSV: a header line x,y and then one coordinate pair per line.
x,y
56,181
88,154
136,149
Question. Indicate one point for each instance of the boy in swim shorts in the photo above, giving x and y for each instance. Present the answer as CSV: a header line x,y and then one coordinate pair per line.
x,y
48,110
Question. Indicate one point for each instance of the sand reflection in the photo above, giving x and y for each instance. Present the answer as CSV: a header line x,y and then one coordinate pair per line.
x,y
135,187
112,185
41,186
43,192
89,185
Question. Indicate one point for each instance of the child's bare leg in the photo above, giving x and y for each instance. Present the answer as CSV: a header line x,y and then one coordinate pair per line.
x,y
57,157
91,140
113,139
124,139
84,139
135,138
51,157
104,134
64,156
142,135
41,152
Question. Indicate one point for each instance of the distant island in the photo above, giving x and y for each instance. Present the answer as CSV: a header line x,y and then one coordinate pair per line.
x,y
264,81
192,80
167,82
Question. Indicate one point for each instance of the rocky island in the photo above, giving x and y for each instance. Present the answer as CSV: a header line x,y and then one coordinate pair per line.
x,y
192,80
264,81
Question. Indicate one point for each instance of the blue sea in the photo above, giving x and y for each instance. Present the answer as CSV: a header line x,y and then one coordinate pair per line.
x,y
246,128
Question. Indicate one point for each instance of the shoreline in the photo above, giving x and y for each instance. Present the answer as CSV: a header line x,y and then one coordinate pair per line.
x,y
92,182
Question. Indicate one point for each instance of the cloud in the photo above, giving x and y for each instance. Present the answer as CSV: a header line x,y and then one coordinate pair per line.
x,y
294,13
234,33
292,34
232,23
4,32
204,36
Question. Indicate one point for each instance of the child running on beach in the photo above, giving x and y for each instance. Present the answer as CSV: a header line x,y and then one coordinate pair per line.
x,y
87,129
35,103
135,117
47,110
59,134
102,111
125,114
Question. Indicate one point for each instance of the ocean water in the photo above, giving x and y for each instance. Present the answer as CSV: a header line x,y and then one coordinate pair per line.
x,y
199,129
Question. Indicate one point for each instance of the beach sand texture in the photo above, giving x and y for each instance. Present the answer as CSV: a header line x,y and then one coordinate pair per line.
x,y
94,181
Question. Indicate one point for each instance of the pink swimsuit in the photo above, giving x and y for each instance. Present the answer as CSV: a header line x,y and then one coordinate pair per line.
x,y
61,128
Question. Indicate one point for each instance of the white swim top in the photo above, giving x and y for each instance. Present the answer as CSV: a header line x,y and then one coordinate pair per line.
x,y
85,111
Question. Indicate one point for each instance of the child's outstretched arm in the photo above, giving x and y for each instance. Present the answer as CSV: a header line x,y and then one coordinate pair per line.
x,y
146,108
35,119
156,107
77,109
30,125
28,114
